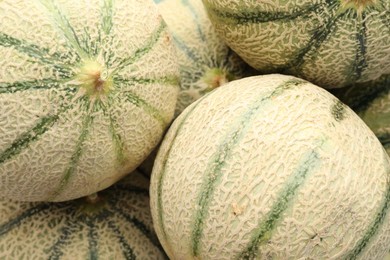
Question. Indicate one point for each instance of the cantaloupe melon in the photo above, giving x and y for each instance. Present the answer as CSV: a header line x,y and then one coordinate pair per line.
x,y
271,167
205,60
332,43
371,101
114,225
87,89
387,256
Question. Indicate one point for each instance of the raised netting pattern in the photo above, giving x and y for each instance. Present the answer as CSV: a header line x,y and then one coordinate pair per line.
x,y
117,226
330,43
87,89
271,166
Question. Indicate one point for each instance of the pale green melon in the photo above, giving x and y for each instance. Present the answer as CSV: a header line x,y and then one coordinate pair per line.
x,y
371,101
87,89
332,43
271,167
114,225
205,60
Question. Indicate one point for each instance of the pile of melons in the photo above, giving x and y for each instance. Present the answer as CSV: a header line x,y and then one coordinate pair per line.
x,y
194,129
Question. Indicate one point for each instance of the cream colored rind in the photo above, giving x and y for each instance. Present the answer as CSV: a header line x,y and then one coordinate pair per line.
x,y
200,50
65,230
55,143
321,41
253,139
371,101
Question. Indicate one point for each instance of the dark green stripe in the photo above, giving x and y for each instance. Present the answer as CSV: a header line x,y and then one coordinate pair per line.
x,y
161,176
33,134
70,227
107,13
119,145
379,218
106,25
89,45
192,54
138,224
143,50
167,80
27,214
195,19
146,107
38,84
338,110
320,35
360,63
34,51
263,232
127,250
64,27
117,140
218,160
87,122
245,16
92,240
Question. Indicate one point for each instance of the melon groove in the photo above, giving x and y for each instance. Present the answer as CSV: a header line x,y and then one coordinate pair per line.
x,y
225,190
86,93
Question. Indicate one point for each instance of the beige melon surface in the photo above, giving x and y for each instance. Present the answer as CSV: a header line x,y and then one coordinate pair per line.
x,y
205,61
116,226
87,89
332,43
371,101
271,167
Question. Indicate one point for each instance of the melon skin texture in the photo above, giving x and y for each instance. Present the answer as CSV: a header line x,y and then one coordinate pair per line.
x,y
330,43
87,89
271,167
118,225
371,101
205,61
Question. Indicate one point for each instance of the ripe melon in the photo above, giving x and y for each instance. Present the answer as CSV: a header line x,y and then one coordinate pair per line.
x,y
271,167
205,60
87,89
332,43
114,225
371,101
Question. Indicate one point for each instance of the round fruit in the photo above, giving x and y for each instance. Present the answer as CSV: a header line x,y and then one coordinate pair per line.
x,y
87,89
205,60
332,43
371,101
114,224
271,167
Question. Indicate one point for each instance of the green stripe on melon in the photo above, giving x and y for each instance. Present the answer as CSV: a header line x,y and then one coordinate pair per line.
x,y
114,225
204,59
332,43
271,167
87,90
371,101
